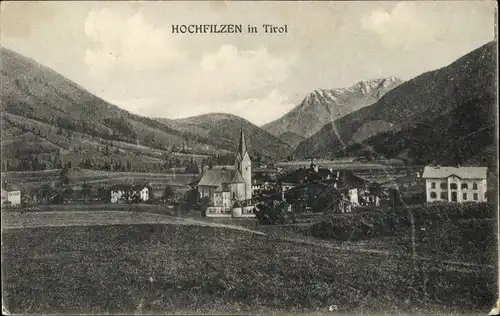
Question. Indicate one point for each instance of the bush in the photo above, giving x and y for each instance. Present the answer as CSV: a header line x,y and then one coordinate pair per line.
x,y
203,203
357,226
273,213
449,211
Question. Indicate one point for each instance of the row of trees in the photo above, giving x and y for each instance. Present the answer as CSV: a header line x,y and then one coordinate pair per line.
x,y
34,162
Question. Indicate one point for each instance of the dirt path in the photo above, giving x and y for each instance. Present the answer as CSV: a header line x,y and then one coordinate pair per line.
x,y
12,220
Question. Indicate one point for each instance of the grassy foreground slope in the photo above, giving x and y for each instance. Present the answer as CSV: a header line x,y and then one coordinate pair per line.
x,y
166,268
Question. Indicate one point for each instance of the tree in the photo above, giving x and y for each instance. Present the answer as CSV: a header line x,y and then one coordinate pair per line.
x,y
45,192
192,168
297,198
192,198
103,193
168,193
327,199
86,191
63,177
135,197
65,190
204,202
273,213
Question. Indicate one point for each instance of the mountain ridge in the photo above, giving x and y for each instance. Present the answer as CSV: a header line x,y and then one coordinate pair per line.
x,y
323,105
435,99
53,114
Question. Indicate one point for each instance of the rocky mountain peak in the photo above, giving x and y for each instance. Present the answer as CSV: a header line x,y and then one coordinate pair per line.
x,y
323,105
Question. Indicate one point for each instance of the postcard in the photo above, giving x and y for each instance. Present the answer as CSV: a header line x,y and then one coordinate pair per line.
x,y
249,157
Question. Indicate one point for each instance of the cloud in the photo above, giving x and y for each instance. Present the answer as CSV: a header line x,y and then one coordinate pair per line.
x,y
258,110
401,27
130,42
230,71
244,83
261,110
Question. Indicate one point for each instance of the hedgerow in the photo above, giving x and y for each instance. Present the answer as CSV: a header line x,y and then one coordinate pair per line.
x,y
357,226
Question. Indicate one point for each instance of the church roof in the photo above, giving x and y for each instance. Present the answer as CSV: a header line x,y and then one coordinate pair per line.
x,y
217,177
228,167
223,188
242,147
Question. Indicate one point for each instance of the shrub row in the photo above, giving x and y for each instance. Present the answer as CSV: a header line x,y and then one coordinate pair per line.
x,y
387,222
449,211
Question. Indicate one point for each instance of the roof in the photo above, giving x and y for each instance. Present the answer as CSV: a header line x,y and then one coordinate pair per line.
x,y
140,186
228,167
460,172
216,177
380,179
324,172
223,188
120,187
242,147
265,170
129,187
10,187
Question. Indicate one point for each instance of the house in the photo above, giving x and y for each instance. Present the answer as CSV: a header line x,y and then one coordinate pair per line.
x,y
325,174
126,193
353,196
11,195
144,192
455,184
347,179
265,174
261,186
230,188
119,194
285,187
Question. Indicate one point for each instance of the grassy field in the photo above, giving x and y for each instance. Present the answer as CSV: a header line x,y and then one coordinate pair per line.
x,y
166,268
31,180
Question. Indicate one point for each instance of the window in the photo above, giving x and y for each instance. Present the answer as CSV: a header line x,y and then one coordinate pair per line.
x,y
433,185
433,195
465,186
475,196
464,197
444,195
444,186
453,186
474,186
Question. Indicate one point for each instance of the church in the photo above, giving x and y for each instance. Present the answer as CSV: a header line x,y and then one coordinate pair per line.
x,y
230,189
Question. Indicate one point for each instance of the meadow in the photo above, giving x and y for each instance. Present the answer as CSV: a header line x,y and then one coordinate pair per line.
x,y
31,180
151,268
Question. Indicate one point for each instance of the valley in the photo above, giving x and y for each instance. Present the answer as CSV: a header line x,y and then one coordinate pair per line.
x,y
379,196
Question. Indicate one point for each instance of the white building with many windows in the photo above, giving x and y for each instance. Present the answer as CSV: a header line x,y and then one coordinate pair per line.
x,y
455,184
11,195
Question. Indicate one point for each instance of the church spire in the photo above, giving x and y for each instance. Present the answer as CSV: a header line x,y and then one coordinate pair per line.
x,y
242,149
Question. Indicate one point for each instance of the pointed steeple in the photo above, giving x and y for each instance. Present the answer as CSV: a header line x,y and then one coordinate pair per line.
x,y
242,148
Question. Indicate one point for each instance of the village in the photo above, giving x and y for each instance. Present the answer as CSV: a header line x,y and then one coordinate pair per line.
x,y
241,190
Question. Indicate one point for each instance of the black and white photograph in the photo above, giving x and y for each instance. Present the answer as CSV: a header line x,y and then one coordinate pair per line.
x,y
249,158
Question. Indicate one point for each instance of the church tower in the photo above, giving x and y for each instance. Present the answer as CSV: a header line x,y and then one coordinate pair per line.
x,y
244,166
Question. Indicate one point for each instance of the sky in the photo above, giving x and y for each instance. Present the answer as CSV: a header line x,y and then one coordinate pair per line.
x,y
126,53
